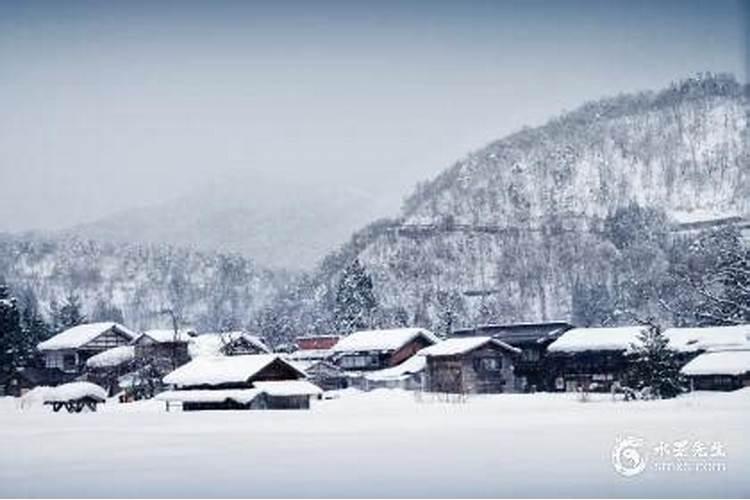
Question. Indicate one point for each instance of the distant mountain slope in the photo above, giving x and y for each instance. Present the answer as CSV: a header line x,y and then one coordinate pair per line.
x,y
208,290
504,234
277,223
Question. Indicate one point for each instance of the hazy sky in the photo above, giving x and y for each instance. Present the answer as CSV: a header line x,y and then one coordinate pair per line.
x,y
109,105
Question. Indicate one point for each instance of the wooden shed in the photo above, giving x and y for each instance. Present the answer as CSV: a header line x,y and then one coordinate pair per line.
x,y
470,365
379,349
255,381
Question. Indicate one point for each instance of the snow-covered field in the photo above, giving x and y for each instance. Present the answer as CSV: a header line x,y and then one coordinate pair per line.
x,y
385,443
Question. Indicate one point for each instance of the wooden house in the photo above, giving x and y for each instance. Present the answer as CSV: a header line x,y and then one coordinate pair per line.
x,y
167,346
470,365
316,342
719,371
591,359
531,371
255,381
69,350
380,349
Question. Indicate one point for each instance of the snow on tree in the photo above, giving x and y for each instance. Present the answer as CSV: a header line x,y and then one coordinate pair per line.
x,y
654,367
355,299
10,330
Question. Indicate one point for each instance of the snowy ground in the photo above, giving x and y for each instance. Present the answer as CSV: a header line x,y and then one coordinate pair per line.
x,y
384,443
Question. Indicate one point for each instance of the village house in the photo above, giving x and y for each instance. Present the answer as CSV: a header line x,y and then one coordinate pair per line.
x,y
470,365
255,381
690,342
531,369
379,349
69,350
592,359
166,345
726,370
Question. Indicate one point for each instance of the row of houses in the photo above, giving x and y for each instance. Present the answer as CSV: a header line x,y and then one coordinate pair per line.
x,y
238,370
527,357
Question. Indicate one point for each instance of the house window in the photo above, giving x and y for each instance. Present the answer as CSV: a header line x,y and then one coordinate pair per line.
x,y
361,361
69,362
490,364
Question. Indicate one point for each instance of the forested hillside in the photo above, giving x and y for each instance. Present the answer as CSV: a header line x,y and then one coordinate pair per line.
x,y
519,229
136,282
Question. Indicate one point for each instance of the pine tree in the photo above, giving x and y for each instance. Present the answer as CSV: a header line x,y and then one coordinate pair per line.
x,y
10,331
70,313
654,366
355,299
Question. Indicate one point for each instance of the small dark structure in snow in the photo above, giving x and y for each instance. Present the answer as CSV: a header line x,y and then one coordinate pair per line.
x,y
719,371
256,381
379,349
75,396
470,365
531,370
69,350
21,380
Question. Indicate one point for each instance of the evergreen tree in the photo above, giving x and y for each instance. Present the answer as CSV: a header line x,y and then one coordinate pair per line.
x,y
70,313
355,300
654,365
10,330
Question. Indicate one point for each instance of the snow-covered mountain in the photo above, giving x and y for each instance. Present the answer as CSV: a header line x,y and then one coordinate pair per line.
x,y
208,290
513,226
279,223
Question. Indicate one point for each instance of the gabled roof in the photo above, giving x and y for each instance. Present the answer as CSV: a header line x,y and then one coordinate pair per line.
x,y
216,370
462,345
708,338
167,336
719,363
212,344
382,340
518,332
81,335
597,339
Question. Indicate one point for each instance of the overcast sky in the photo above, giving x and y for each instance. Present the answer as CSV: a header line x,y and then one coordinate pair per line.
x,y
110,105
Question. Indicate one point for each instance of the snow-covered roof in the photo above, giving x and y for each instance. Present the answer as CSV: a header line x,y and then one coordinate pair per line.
x,y
598,339
211,344
382,340
80,335
461,345
414,364
309,354
241,396
708,338
288,388
167,336
75,390
112,357
719,363
215,370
